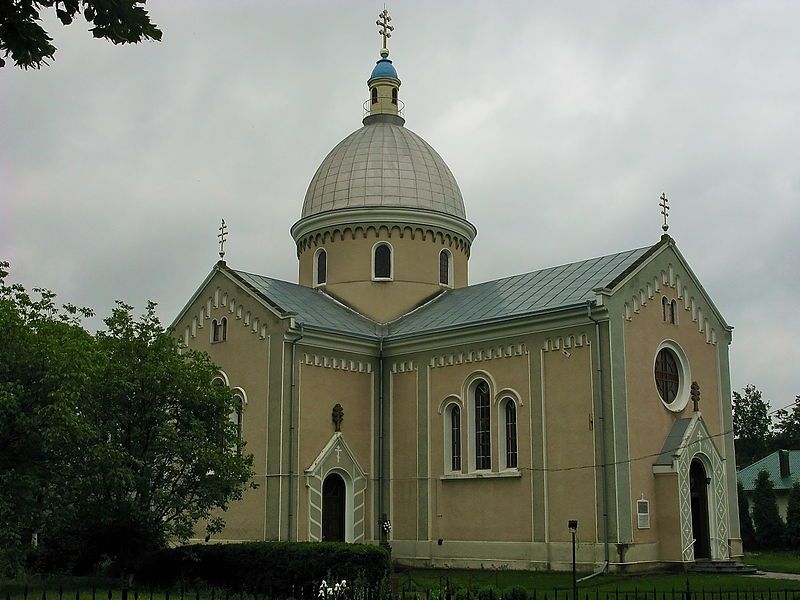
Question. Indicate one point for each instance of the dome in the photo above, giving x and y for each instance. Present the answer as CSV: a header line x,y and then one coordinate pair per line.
x,y
384,68
383,165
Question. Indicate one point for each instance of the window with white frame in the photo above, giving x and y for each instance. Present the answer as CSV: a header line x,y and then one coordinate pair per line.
x,y
382,261
483,431
452,438
508,440
643,514
237,413
320,267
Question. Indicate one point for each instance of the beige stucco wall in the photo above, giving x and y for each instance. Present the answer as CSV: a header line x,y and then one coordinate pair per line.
x,y
665,518
649,421
403,469
321,388
415,270
570,443
493,509
244,359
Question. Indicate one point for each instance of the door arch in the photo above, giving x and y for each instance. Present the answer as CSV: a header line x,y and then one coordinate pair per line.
x,y
698,488
334,505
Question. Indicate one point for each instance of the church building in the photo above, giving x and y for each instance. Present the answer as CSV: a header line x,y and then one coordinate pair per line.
x,y
387,400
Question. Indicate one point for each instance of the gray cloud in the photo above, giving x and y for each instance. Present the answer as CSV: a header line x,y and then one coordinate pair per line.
x,y
563,123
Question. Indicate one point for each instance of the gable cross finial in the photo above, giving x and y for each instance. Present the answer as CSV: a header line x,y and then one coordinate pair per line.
x,y
385,30
337,416
695,394
664,204
223,235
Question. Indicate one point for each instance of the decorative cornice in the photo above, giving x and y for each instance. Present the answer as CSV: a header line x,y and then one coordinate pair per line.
x,y
494,352
382,215
333,362
670,278
565,342
222,299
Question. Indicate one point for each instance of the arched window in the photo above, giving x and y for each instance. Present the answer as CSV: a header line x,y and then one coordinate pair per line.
x,y
667,375
673,312
237,413
483,433
509,417
444,267
382,261
669,310
374,95
394,95
455,438
214,331
664,303
321,267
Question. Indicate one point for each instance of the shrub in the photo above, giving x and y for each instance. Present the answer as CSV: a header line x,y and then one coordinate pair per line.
x,y
793,517
281,569
770,529
745,520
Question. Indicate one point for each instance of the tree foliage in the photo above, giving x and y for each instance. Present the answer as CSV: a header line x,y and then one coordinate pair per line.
x,y
793,517
768,524
745,520
751,425
29,45
787,426
110,444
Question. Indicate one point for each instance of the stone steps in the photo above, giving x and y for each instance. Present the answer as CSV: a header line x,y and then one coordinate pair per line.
x,y
732,567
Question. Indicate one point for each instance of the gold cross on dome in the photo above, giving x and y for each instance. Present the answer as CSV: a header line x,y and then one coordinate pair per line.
x,y
664,204
223,235
384,29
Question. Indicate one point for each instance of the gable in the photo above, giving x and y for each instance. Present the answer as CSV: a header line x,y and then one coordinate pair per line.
x,y
665,267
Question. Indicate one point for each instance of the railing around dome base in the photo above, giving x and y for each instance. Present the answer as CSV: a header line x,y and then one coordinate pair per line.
x,y
401,108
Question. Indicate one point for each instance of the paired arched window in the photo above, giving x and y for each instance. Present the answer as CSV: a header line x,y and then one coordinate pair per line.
x,y
445,263
382,261
669,310
219,330
483,429
508,416
320,267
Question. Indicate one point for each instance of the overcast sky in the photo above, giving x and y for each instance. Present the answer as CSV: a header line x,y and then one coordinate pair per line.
x,y
563,122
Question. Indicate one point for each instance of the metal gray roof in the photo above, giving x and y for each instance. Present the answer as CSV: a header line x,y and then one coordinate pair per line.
x,y
536,292
383,164
771,465
312,307
673,441
511,297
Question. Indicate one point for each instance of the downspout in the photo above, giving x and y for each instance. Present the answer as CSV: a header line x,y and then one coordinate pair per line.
x,y
603,460
292,392
381,510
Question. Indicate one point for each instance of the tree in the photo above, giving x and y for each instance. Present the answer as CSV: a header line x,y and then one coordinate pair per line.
x,y
787,426
769,527
21,36
793,517
751,425
112,444
745,520
46,362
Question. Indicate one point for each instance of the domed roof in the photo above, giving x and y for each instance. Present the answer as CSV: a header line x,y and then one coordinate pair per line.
x,y
384,68
385,165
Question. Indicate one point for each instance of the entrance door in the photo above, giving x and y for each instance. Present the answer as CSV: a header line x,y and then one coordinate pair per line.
x,y
333,505
698,486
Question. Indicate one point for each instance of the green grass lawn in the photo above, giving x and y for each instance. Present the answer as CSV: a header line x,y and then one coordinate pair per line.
x,y
422,579
779,562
